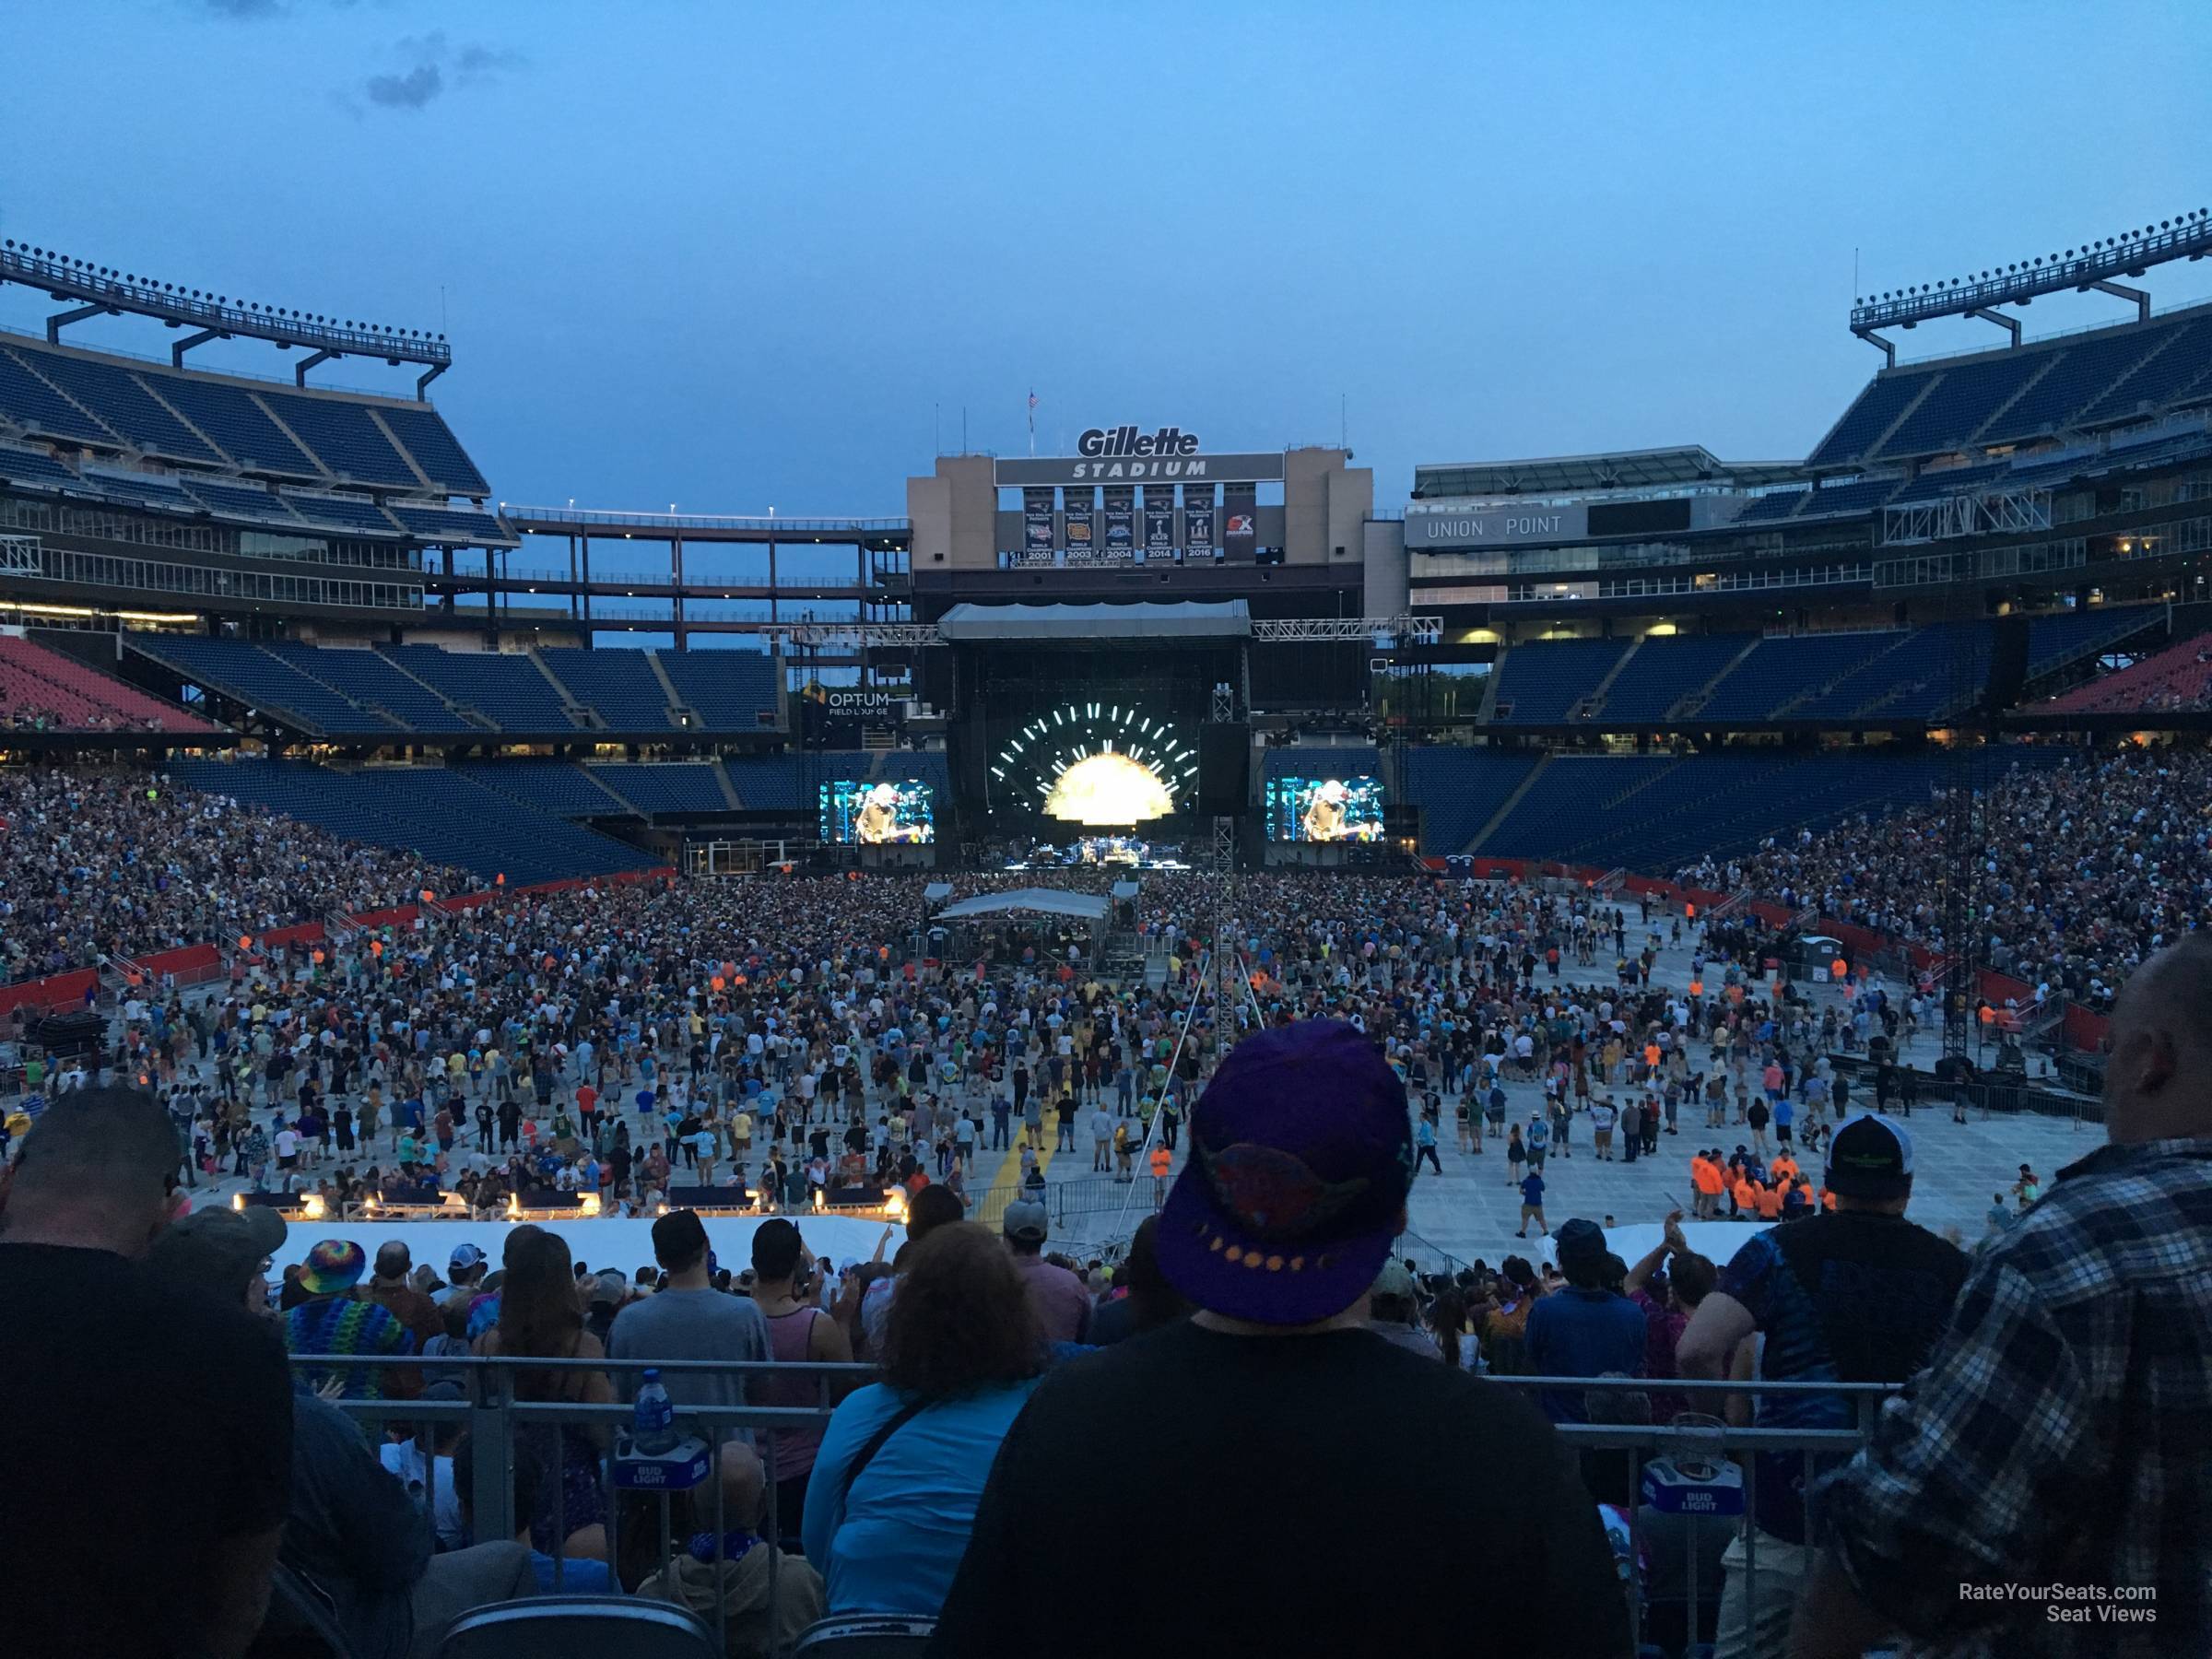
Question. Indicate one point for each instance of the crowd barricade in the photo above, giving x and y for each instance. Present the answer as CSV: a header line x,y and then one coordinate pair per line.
x,y
1705,1463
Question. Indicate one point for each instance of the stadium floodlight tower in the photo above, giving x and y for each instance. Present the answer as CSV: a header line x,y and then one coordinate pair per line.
x,y
2093,265
104,291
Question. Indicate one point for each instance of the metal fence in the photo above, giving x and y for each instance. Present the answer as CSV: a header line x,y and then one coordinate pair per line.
x,y
1720,1456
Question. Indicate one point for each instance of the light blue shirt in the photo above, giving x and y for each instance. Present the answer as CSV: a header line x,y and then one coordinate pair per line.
x,y
894,1542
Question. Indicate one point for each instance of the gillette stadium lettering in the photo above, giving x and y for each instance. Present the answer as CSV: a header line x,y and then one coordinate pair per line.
x,y
1130,440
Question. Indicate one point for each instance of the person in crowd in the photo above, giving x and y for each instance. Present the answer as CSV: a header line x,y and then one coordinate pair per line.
x,y
464,1271
1061,1300
1855,1295
799,1331
929,1209
687,1318
2057,1435
100,1346
893,1492
729,1572
331,1319
352,1530
1588,1329
562,1575
1301,1160
541,1318
1666,1287
418,1314
1149,1301
1394,1310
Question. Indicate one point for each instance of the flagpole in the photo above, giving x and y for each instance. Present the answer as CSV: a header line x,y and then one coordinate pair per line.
x,y
1032,425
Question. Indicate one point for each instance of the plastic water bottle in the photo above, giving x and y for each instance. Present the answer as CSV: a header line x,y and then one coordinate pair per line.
x,y
653,1420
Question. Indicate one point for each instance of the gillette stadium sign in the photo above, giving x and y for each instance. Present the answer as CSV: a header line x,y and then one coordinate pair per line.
x,y
1133,455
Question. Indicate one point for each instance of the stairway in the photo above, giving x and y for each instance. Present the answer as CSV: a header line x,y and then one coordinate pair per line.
x,y
1506,805
1594,703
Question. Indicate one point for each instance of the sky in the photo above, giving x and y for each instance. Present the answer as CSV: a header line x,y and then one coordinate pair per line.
x,y
734,257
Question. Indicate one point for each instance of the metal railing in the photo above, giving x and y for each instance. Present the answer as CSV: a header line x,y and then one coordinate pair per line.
x,y
494,1416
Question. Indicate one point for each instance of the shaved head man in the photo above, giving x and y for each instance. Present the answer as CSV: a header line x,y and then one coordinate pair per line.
x,y
2059,1434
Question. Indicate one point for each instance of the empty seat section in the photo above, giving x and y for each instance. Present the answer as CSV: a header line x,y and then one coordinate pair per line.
x,y
141,490
1571,803
2185,361
621,684
676,786
113,394
1460,790
766,782
555,786
1540,683
116,700
372,680
2053,641
440,523
1667,669
33,405
241,501
1777,504
230,416
34,468
1784,668
1325,761
255,676
1864,495
1948,480
2180,677
1893,663
1963,400
729,690
342,438
435,449
2084,372
347,514
1876,409
507,688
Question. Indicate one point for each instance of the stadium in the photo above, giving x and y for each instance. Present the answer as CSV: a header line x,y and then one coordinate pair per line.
x,y
1598,791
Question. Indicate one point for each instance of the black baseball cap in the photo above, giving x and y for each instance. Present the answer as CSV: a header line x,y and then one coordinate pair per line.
x,y
679,1238
1870,1156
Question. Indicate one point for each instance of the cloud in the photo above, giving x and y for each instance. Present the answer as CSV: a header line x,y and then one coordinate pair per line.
x,y
246,8
472,63
409,91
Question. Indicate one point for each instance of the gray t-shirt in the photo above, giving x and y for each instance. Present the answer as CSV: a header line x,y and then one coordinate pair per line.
x,y
689,1324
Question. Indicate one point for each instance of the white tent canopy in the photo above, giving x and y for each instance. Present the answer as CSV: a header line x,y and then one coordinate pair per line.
x,y
1050,901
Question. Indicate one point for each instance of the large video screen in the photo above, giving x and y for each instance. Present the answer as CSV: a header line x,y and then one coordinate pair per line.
x,y
878,815
1324,809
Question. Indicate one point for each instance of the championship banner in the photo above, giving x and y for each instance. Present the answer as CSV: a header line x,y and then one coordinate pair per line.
x,y
1198,529
1121,528
1037,521
1160,529
1078,528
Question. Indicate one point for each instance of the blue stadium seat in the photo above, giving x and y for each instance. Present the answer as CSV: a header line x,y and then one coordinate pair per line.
x,y
560,787
1458,790
1573,802
374,682
343,437
580,1627
663,786
123,405
1325,760
2084,372
445,524
350,514
506,687
34,468
1831,500
1870,415
1964,399
1786,667
234,420
1665,669
426,437
731,690
141,490
1948,480
243,500
1540,683
2185,362
244,671
36,407
619,682
1775,504
2055,641
766,782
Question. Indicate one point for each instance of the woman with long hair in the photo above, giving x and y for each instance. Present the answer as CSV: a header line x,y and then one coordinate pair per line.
x,y
893,1494
541,1317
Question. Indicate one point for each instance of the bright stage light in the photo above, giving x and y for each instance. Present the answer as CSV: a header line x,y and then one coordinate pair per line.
x,y
1108,789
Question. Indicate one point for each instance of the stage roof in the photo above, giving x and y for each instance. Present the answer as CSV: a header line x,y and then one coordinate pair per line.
x,y
1053,901
1229,620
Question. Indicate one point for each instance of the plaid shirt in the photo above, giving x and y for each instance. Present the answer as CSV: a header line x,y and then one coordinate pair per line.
x,y
2062,1433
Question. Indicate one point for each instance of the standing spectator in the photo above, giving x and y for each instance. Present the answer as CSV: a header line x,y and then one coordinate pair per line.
x,y
1393,1311
97,1346
2057,1436
894,1489
333,1320
1061,1303
1666,1287
418,1314
689,1319
1532,1205
1300,1161
1588,1329
1855,1295
1149,1301
798,1331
